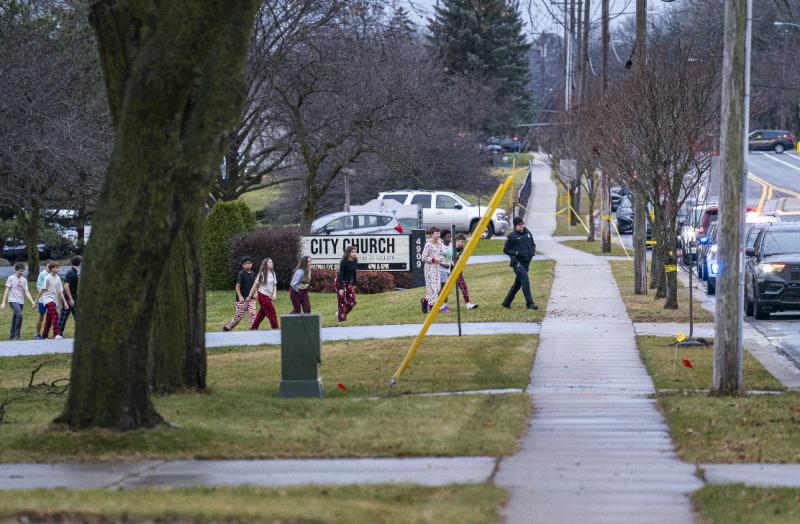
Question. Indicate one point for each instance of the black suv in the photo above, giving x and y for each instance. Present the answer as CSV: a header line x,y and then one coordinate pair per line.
x,y
772,278
771,140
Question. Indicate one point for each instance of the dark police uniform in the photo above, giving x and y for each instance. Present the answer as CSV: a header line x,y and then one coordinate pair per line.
x,y
521,248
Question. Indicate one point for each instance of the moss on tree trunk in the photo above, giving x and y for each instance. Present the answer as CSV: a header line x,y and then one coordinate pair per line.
x,y
177,342
174,75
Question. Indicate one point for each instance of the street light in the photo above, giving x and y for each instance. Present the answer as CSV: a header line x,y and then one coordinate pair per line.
x,y
779,24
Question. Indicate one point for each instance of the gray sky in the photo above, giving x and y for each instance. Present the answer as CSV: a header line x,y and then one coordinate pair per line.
x,y
538,14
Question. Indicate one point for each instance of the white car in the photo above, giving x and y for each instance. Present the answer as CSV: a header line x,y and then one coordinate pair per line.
x,y
343,223
443,208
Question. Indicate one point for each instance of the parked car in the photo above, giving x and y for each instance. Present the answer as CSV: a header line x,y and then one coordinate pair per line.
x,y
707,255
616,196
771,140
510,144
343,223
772,277
443,208
625,217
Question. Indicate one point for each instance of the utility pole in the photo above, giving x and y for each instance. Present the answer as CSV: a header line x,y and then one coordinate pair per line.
x,y
733,168
605,185
640,196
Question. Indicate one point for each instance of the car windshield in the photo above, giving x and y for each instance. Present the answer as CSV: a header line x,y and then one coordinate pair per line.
x,y
399,197
780,243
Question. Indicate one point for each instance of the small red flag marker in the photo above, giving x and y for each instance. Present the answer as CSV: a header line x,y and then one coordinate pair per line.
x,y
687,363
399,228
341,386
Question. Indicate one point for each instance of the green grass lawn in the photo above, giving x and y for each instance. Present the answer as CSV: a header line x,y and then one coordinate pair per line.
x,y
739,504
488,285
594,248
658,354
260,199
241,416
705,428
646,308
393,503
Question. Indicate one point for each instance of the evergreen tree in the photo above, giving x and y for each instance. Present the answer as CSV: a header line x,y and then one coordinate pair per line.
x,y
400,25
485,38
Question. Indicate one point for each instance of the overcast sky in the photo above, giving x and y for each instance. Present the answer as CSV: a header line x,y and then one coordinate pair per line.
x,y
542,21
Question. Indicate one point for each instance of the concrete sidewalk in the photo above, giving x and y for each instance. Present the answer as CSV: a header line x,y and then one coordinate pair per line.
x,y
597,449
187,473
263,338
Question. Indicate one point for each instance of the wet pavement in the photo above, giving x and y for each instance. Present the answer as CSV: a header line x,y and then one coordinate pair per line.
x,y
263,338
188,473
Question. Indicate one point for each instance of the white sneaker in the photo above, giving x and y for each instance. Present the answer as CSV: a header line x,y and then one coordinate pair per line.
x,y
470,305
57,337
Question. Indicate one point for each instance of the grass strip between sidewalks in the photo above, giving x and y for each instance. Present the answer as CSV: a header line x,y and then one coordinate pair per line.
x,y
647,308
594,248
241,416
739,504
488,285
474,504
711,429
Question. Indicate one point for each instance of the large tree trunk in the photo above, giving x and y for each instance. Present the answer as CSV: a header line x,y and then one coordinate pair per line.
x,y
29,222
177,343
733,167
671,263
174,76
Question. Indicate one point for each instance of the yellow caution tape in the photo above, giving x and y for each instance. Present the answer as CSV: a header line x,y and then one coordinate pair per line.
x,y
580,219
620,239
607,217
650,242
671,268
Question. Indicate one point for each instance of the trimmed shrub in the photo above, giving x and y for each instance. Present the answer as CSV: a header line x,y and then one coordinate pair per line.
x,y
402,280
367,282
223,223
281,244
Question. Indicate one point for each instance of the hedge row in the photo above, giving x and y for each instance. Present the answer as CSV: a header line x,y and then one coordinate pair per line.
x,y
224,222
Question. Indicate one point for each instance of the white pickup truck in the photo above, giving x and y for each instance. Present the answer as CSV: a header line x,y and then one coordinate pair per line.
x,y
443,208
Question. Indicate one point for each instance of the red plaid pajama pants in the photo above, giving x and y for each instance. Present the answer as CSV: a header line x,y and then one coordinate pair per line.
x,y
51,312
266,310
462,285
300,301
347,301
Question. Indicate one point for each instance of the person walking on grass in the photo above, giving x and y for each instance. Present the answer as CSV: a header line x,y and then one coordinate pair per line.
x,y
244,301
298,289
70,293
521,248
432,255
15,293
266,287
445,266
53,292
461,283
345,282
40,286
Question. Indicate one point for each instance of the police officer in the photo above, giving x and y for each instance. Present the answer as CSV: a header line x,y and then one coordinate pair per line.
x,y
521,248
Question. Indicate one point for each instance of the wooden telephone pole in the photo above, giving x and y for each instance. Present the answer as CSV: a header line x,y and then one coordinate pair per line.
x,y
733,170
640,197
605,186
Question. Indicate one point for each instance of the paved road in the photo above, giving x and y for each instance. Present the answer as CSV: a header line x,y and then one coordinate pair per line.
x,y
768,171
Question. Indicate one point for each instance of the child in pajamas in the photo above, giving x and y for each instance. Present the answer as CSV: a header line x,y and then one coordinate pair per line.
x,y
345,280
266,287
461,283
244,284
49,296
432,255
